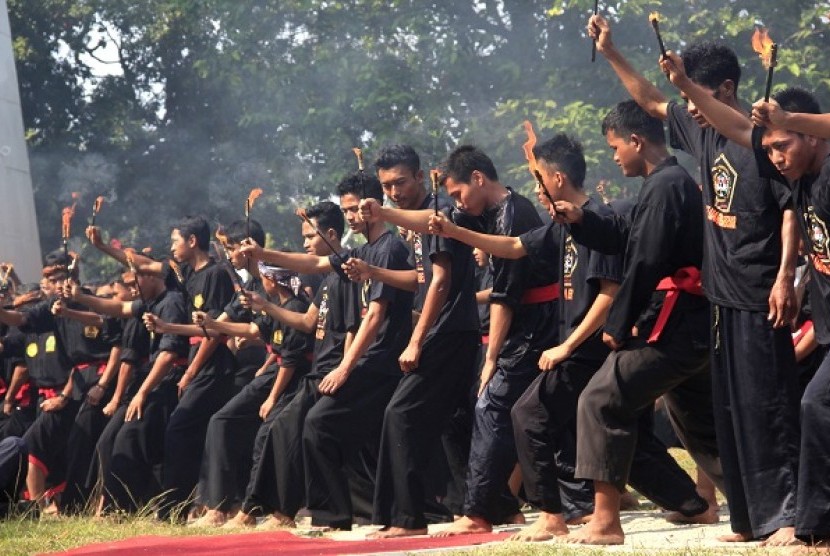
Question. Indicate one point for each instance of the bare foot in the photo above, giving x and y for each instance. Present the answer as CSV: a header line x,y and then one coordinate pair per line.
x,y
240,521
396,532
736,537
581,520
212,518
277,521
543,529
708,517
467,525
515,519
598,533
783,537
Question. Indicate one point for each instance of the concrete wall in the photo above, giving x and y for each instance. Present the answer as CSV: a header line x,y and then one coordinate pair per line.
x,y
19,240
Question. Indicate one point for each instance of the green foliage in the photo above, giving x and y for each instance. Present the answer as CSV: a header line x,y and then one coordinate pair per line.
x,y
199,101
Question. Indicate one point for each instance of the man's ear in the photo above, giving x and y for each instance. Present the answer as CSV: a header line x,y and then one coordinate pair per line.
x,y
636,141
726,90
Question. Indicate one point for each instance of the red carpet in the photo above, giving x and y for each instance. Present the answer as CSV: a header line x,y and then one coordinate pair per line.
x,y
279,542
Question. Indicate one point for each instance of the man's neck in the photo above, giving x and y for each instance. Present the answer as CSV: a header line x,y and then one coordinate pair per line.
x,y
374,230
198,260
574,196
495,193
654,157
422,194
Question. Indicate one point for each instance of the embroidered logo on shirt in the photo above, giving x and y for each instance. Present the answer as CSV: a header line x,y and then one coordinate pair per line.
x,y
418,249
724,178
198,301
51,344
364,298
322,314
91,332
277,338
820,251
569,264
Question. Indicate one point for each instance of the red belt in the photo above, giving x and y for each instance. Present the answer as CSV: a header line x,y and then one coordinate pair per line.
x,y
196,340
49,393
485,339
799,334
181,362
102,365
541,294
686,279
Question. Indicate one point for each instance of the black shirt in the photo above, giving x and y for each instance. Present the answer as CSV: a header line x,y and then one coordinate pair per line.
x,y
663,235
293,347
169,307
338,312
533,327
484,281
135,341
387,251
580,271
812,200
743,216
420,254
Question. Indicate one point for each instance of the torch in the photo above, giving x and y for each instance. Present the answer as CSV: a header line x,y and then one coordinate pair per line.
x,y
223,243
594,43
434,176
96,208
302,214
361,169
249,203
654,18
66,226
129,254
531,160
768,51
174,266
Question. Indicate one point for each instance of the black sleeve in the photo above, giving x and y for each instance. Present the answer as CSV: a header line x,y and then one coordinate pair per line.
x,y
684,133
540,241
295,347
336,260
134,341
218,292
647,262
172,310
111,331
39,317
605,267
394,256
607,234
14,348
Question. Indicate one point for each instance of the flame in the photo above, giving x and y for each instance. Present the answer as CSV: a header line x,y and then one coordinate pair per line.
x,y
435,178
66,221
301,213
654,17
96,207
222,237
763,44
75,195
253,196
528,148
359,154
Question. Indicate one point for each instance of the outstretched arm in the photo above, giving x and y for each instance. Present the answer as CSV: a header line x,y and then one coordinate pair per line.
x,y
142,263
643,91
771,116
415,220
504,247
299,262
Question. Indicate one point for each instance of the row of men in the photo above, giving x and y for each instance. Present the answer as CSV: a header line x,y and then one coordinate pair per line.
x,y
685,296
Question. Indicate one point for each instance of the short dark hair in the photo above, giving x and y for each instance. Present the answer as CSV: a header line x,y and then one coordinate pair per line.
x,y
195,226
56,258
362,185
566,153
466,159
796,99
328,216
238,231
710,63
627,118
398,155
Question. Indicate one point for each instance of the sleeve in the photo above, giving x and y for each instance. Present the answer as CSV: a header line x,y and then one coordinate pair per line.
x,y
112,331
14,348
392,255
607,233
39,317
684,133
138,308
334,260
173,310
218,292
134,341
311,280
236,311
649,248
539,241
295,344
605,267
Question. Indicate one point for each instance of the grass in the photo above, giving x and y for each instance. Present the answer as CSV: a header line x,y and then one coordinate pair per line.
x,y
23,535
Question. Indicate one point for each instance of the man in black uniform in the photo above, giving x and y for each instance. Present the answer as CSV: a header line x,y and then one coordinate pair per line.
x,y
235,435
438,363
347,418
133,479
277,482
522,325
544,418
792,147
750,234
668,353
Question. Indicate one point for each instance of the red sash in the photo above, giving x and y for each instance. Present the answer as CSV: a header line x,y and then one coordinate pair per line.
x,y
799,334
686,279
541,294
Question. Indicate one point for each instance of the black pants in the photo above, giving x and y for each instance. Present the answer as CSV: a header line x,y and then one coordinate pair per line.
x,y
629,382
412,426
47,440
755,387
813,515
13,467
336,428
543,417
248,361
229,444
184,441
277,480
18,422
493,449
134,477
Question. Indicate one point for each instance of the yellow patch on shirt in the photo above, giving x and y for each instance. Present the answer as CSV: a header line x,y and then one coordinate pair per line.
x,y
277,339
31,350
198,301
